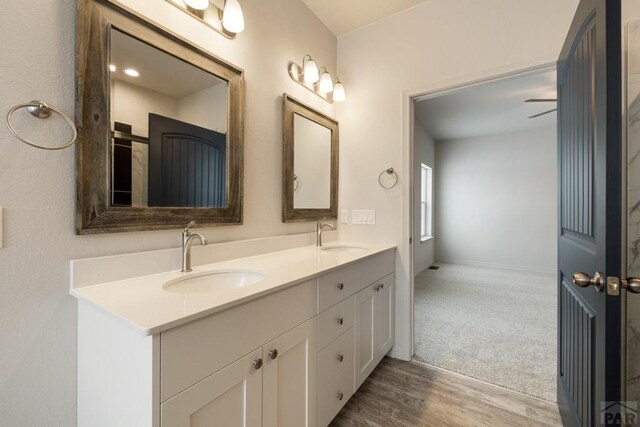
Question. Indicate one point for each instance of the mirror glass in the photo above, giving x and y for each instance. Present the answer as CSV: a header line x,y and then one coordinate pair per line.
x,y
311,164
168,123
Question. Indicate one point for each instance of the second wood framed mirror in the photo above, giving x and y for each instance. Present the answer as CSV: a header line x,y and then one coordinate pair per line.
x,y
310,154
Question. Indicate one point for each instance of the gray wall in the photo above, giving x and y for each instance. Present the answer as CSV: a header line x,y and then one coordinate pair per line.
x,y
423,152
495,200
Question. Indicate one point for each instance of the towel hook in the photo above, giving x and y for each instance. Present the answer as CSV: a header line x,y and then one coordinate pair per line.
x,y
389,171
41,110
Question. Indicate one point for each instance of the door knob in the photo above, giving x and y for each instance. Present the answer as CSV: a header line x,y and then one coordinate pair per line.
x,y
584,280
631,284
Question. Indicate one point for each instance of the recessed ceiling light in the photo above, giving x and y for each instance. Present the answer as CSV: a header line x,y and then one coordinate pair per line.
x,y
112,68
131,72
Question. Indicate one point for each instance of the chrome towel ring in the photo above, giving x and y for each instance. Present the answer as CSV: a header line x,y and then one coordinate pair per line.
x,y
389,171
41,110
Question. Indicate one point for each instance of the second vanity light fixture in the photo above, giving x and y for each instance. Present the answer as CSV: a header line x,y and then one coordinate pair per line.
x,y
224,16
317,80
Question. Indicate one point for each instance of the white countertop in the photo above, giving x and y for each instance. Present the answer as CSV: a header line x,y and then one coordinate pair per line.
x,y
144,305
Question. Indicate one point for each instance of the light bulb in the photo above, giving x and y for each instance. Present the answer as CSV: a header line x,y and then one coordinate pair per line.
x,y
197,4
232,17
311,74
326,83
338,93
112,68
131,72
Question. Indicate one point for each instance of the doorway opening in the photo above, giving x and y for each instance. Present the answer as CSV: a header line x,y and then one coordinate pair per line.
x,y
484,208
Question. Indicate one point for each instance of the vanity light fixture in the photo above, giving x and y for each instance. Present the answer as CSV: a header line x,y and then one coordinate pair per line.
x,y
223,16
131,72
317,80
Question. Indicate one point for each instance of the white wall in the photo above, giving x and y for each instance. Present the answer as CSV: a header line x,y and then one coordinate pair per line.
x,y
433,45
424,151
206,108
37,188
496,200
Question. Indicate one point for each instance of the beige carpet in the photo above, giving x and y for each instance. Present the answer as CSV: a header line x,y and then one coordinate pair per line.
x,y
494,325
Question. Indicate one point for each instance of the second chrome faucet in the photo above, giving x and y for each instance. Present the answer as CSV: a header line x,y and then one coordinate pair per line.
x,y
320,227
187,237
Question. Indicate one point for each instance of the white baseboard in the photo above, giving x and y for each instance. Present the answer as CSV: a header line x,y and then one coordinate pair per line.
x,y
496,265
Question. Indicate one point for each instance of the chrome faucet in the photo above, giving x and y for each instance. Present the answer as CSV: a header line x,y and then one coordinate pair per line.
x,y
187,236
320,227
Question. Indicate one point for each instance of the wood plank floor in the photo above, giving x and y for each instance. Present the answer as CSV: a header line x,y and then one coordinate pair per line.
x,y
410,394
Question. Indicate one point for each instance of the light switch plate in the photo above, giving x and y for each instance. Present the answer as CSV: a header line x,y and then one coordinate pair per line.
x,y
363,216
344,216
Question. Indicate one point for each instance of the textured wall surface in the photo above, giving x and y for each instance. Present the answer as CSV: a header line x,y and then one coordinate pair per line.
x,y
496,200
430,46
37,188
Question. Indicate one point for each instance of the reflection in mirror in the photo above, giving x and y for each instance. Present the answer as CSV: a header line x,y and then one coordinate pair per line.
x,y
311,164
168,129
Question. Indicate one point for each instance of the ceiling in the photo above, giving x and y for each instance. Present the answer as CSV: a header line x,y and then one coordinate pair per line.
x,y
158,70
489,109
343,16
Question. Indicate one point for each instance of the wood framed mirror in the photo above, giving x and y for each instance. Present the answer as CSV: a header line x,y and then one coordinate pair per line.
x,y
160,127
310,160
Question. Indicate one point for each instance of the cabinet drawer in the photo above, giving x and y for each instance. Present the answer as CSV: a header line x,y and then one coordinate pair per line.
x,y
335,321
339,284
336,358
332,396
196,350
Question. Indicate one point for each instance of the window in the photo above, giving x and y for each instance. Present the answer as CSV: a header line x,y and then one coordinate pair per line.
x,y
426,195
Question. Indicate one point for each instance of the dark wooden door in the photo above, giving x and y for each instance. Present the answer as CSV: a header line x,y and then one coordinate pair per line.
x,y
589,157
187,164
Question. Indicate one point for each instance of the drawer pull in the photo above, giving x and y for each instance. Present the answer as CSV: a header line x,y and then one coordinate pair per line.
x,y
340,358
257,364
379,287
273,353
340,286
340,396
340,320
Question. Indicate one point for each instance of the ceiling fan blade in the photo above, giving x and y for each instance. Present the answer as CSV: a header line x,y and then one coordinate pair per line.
x,y
541,100
542,114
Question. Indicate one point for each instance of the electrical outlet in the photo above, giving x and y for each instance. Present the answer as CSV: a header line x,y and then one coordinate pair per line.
x,y
344,216
363,216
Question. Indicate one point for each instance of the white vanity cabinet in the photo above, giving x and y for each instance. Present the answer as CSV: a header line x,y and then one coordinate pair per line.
x,y
289,358
374,326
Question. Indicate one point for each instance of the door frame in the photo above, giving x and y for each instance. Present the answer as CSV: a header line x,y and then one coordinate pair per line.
x,y
405,326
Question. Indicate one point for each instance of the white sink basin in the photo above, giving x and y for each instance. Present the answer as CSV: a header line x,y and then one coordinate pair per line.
x,y
343,248
213,281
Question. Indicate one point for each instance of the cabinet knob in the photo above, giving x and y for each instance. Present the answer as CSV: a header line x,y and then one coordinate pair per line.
x,y
340,286
340,320
257,364
379,287
273,353
340,358
340,396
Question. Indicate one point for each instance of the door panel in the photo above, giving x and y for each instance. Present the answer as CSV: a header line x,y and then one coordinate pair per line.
x,y
386,319
289,382
365,331
232,397
589,190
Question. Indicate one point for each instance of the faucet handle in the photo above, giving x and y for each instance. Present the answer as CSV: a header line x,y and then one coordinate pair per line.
x,y
191,224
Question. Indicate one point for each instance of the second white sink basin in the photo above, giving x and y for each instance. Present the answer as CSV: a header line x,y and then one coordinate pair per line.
x,y
343,248
214,281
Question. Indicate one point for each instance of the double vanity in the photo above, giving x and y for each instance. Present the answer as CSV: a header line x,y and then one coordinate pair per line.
x,y
278,339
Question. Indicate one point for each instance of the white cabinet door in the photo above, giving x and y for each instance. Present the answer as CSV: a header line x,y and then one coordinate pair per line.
x,y
374,326
231,397
289,378
385,315
365,333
